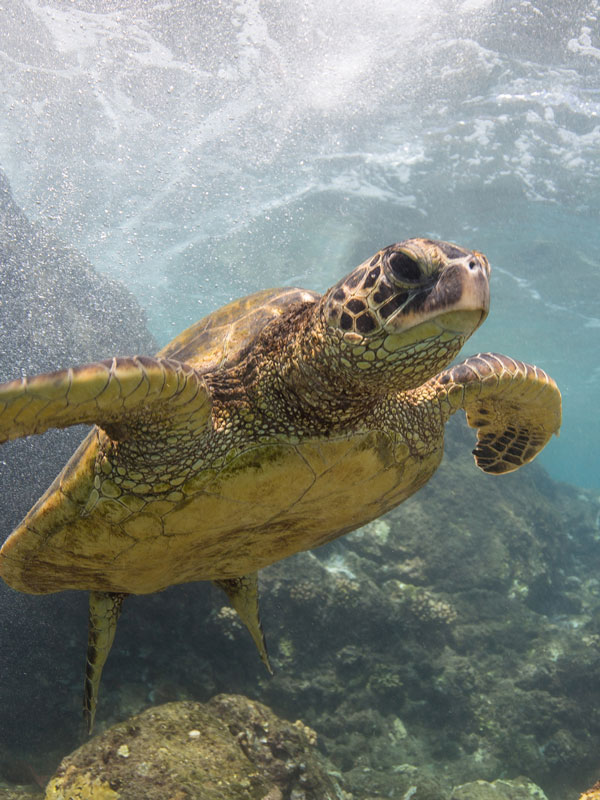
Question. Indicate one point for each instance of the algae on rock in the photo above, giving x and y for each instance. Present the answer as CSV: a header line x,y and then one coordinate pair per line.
x,y
230,748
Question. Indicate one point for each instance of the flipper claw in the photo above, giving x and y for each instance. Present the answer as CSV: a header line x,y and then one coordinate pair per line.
x,y
105,609
243,596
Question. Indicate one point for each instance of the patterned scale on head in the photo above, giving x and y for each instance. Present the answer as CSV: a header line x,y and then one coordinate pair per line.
x,y
386,313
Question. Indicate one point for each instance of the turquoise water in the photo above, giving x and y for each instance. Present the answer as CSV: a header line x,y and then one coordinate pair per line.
x,y
201,151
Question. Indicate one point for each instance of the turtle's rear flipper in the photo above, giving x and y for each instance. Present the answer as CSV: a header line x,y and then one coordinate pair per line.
x,y
105,609
117,394
243,596
515,407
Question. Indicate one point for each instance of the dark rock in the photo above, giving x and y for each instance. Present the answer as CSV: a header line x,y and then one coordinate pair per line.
x,y
55,311
404,781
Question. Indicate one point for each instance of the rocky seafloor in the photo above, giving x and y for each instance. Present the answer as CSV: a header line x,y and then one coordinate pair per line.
x,y
230,748
454,643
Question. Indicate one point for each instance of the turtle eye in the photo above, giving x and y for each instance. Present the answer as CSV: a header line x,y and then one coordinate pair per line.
x,y
404,268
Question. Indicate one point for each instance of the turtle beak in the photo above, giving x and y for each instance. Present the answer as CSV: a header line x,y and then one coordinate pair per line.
x,y
458,301
462,286
468,281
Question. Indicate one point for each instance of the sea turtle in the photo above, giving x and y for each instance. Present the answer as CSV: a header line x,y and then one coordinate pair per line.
x,y
273,425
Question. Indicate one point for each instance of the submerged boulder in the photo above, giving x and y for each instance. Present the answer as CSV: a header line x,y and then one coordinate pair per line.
x,y
230,748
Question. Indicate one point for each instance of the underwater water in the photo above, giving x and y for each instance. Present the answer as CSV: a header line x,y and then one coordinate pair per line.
x,y
200,151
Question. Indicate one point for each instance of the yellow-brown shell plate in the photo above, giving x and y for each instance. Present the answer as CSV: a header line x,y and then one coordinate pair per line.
x,y
268,503
220,338
62,544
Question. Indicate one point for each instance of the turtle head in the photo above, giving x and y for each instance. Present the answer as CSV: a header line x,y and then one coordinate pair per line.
x,y
403,314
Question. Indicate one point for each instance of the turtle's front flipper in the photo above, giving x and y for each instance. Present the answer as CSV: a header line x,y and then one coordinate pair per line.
x,y
515,407
105,609
243,596
119,393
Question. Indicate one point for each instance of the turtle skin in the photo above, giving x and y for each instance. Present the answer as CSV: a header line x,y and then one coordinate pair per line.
x,y
275,424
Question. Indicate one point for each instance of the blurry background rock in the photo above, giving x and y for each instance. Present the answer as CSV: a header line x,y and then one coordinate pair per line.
x,y
55,311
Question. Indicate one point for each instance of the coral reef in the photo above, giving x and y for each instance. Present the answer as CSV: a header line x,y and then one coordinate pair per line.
x,y
228,749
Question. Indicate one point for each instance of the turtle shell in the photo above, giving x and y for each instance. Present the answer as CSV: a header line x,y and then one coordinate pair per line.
x,y
267,499
189,478
219,339
242,443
